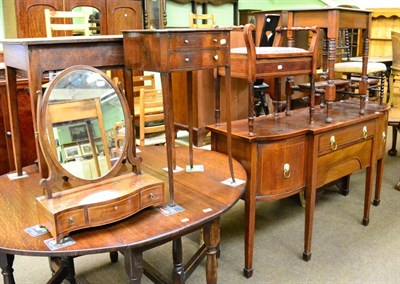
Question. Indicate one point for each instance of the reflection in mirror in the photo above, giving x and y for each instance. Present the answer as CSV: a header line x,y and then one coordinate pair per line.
x,y
82,114
94,18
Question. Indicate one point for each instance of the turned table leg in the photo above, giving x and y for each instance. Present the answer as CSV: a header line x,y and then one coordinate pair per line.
x,y
6,263
211,240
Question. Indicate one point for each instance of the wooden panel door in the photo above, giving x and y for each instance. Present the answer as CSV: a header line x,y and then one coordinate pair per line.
x,y
100,5
30,16
123,14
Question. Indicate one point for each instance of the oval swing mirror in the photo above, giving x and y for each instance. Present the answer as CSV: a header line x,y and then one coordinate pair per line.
x,y
82,119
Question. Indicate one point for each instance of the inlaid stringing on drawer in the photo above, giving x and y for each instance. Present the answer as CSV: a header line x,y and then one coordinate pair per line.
x,y
344,137
203,41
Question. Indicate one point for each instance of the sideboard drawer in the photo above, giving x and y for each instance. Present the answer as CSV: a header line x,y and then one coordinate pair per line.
x,y
118,210
71,220
193,40
198,58
282,168
343,137
151,196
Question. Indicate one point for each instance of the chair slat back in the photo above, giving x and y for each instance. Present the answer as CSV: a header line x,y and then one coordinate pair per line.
x,y
67,21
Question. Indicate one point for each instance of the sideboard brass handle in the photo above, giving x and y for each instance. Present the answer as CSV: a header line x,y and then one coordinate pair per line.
x,y
383,136
365,132
286,170
152,196
333,143
71,220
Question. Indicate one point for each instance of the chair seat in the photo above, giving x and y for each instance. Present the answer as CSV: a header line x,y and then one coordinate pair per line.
x,y
356,67
263,51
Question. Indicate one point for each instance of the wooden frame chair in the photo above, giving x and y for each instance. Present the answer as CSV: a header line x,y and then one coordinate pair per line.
x,y
63,21
394,99
151,118
207,20
251,62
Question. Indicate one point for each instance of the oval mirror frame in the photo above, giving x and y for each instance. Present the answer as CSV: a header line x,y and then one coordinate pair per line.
x,y
56,170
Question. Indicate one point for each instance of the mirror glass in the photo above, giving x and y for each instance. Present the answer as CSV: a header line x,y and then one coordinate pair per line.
x,y
94,18
85,123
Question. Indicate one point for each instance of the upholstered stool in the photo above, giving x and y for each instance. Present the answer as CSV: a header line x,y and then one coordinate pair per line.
x,y
349,68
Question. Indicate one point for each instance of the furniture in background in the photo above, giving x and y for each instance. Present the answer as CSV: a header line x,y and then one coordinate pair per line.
x,y
288,155
151,118
114,16
204,206
252,63
330,19
28,156
154,14
383,21
202,20
394,96
35,56
69,23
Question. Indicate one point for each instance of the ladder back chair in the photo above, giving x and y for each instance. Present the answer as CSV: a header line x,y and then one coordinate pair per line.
x,y
151,118
65,23
202,20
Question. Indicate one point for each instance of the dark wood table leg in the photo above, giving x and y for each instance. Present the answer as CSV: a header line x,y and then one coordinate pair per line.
x,y
250,217
211,240
12,99
134,265
6,263
178,274
378,181
368,192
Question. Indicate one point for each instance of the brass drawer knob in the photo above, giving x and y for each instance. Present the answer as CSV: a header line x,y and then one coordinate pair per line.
x,y
71,220
365,132
215,40
187,59
115,207
333,143
152,196
216,57
186,41
286,171
222,41
383,136
8,133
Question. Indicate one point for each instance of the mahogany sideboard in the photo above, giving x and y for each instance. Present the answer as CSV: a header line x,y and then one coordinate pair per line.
x,y
37,55
288,155
202,195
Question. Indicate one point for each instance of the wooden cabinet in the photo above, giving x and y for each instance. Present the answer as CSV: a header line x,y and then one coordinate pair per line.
x,y
115,15
384,20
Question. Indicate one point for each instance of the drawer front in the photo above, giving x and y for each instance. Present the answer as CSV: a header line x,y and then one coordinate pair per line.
x,y
198,58
282,168
282,67
337,139
343,162
104,214
202,40
70,221
152,196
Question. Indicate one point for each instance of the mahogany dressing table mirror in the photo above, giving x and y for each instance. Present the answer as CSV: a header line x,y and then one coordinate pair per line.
x,y
92,181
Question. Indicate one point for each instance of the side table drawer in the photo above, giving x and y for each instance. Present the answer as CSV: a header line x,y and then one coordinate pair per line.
x,y
198,58
71,220
103,214
282,167
343,137
151,196
193,40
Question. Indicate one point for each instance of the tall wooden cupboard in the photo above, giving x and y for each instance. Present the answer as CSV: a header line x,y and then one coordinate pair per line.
x,y
115,15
